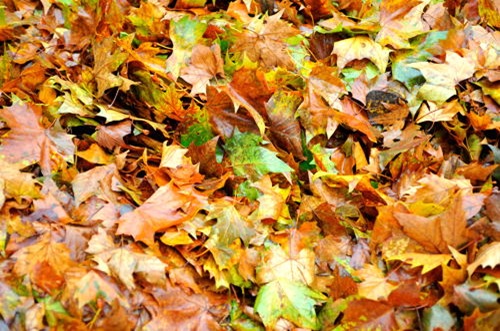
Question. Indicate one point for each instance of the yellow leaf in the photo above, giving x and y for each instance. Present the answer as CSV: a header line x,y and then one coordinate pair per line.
x,y
427,261
361,47
299,267
374,283
489,256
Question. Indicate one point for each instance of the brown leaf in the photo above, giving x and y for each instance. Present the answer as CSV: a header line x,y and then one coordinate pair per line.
x,y
116,319
168,206
284,128
453,223
46,277
224,118
55,255
267,45
175,310
206,63
365,314
426,231
111,136
28,141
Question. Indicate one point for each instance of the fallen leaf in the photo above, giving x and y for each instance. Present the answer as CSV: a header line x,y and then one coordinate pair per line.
x,y
206,64
358,48
428,262
441,78
488,256
296,302
168,206
264,41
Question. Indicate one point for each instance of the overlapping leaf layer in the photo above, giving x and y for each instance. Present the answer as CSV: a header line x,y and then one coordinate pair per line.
x,y
249,165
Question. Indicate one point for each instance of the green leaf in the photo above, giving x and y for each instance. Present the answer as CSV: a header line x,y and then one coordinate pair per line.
x,y
230,226
438,318
293,301
199,132
250,159
184,33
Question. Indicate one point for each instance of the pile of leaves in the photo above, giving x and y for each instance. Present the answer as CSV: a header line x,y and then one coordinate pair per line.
x,y
249,165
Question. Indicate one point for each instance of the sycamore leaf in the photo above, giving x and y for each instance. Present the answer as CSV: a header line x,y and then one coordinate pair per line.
x,y
365,314
249,88
430,112
488,256
167,207
173,309
284,127
358,48
298,267
441,78
91,286
250,159
453,222
16,184
95,154
288,299
265,42
272,203
427,261
206,63
98,182
123,262
230,226
400,21
185,33
374,284
107,59
426,231
28,142
224,119
45,250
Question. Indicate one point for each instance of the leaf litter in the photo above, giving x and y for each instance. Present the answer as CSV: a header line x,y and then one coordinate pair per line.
x,y
249,165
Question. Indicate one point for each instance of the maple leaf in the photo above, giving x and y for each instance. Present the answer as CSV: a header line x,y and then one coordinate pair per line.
x,y
173,309
16,184
400,21
251,89
264,41
250,159
284,127
111,136
56,255
441,78
206,63
185,33
272,203
123,263
365,314
230,226
488,256
88,286
426,231
296,302
298,266
107,59
146,54
168,206
100,182
374,284
28,142
427,261
361,47
222,115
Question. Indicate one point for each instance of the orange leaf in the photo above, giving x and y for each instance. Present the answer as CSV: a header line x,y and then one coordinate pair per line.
x,y
167,207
